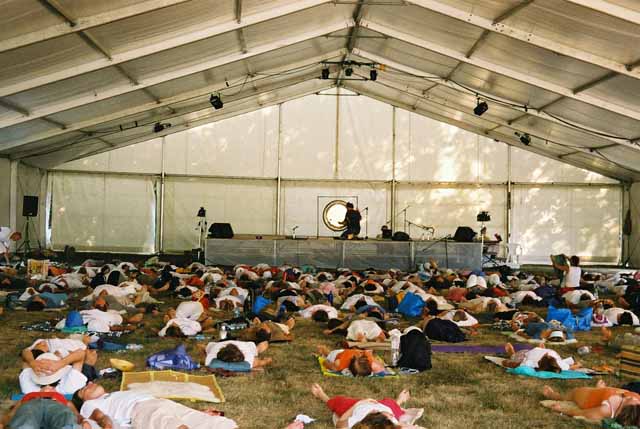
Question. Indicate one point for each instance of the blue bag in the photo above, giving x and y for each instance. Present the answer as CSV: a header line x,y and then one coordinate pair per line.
x,y
74,320
583,319
177,359
562,315
260,303
411,305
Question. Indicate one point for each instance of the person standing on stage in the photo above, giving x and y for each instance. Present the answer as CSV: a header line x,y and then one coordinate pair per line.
x,y
6,237
352,221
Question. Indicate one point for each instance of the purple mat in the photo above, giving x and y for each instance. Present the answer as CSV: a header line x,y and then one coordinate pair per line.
x,y
487,350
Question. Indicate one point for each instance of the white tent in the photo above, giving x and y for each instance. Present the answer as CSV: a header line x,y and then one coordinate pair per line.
x,y
85,82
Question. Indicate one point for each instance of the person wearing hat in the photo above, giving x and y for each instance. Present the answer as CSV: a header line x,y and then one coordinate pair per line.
x,y
64,374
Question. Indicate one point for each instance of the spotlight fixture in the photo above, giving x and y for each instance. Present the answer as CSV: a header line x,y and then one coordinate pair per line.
x,y
348,71
373,74
481,108
216,101
325,73
159,127
524,138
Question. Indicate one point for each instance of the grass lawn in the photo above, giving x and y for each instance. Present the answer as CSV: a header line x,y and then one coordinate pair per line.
x,y
461,391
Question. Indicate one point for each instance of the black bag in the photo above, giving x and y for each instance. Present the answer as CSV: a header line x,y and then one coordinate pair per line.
x,y
444,330
415,351
464,234
400,236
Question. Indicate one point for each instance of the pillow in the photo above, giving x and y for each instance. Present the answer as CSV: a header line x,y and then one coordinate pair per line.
x,y
243,366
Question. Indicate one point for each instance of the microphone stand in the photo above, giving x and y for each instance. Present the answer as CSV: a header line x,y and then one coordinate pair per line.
x,y
366,224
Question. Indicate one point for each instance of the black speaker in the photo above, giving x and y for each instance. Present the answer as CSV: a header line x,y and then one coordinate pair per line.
x,y
221,230
464,234
29,206
400,236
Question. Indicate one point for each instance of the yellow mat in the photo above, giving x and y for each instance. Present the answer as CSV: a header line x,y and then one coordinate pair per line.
x,y
173,376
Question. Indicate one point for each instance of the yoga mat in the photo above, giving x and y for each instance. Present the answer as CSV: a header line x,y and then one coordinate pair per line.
x,y
445,348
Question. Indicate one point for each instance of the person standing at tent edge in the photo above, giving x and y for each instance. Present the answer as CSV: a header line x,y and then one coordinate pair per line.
x,y
6,237
352,221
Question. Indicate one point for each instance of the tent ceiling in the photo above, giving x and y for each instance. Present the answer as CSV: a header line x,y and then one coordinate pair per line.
x,y
81,77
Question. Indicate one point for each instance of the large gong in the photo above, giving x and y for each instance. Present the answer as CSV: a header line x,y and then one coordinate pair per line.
x,y
333,215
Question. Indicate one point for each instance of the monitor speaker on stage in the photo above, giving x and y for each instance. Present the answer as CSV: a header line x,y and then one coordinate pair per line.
x,y
464,234
221,230
29,206
400,236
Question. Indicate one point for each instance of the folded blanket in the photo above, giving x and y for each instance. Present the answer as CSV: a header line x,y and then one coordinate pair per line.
x,y
174,385
388,372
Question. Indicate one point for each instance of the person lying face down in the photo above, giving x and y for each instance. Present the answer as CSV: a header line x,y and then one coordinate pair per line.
x,y
599,402
360,363
141,411
319,312
269,331
360,330
360,413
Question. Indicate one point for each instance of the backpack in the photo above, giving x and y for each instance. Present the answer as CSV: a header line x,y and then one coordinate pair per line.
x,y
444,330
415,351
177,359
411,305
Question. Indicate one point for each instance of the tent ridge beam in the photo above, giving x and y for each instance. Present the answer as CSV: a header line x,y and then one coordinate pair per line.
x,y
242,41
85,23
353,36
512,11
54,123
54,7
187,70
215,29
163,103
94,44
595,82
238,11
14,107
524,36
501,69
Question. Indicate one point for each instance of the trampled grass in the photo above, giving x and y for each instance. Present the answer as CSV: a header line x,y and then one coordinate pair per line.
x,y
461,391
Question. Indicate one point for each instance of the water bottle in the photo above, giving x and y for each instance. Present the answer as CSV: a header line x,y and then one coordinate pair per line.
x,y
395,349
134,347
223,332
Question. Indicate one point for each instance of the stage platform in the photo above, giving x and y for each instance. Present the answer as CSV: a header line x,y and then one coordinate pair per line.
x,y
330,253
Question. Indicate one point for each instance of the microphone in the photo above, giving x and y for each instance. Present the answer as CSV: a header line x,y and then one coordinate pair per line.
x,y
294,228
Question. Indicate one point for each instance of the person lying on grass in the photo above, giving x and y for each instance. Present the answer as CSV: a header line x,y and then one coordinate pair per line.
x,y
43,409
361,363
232,351
260,331
63,374
61,347
319,312
360,330
599,402
101,319
539,358
141,411
360,413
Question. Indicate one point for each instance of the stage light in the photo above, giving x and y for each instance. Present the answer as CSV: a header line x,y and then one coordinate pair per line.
x,y
325,73
216,101
159,127
348,71
481,108
524,138
373,74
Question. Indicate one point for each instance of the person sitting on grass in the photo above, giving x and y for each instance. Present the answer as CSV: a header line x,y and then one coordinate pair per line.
x,y
539,358
360,363
142,411
231,351
43,409
363,413
599,402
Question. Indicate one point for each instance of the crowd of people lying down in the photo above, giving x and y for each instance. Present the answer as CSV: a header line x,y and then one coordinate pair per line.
x,y
363,309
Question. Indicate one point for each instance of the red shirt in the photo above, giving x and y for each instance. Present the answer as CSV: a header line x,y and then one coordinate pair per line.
x,y
45,395
341,404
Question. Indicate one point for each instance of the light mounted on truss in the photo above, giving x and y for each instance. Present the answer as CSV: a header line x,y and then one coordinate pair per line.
x,y
348,67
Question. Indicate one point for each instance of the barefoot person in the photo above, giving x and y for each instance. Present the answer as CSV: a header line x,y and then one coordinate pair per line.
x,y
539,358
365,413
600,402
359,362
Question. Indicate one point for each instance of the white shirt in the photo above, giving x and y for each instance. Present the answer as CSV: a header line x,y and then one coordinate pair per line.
x,y
117,405
100,321
534,355
518,297
612,315
188,327
5,242
61,346
242,293
236,301
128,288
69,383
572,277
369,328
248,349
308,312
351,301
574,296
191,310
471,321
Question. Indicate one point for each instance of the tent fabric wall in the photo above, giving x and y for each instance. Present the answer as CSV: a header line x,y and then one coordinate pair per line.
x,y
248,205
32,181
634,238
103,212
583,221
144,158
300,205
5,191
